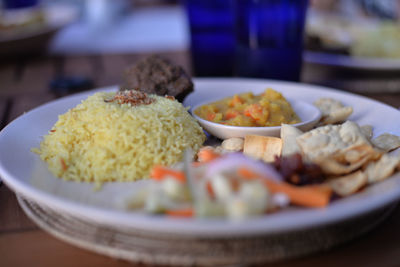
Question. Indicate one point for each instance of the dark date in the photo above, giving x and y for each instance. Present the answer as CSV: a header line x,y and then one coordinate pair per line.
x,y
296,171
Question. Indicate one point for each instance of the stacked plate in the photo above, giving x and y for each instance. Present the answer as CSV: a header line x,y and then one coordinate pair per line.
x,y
152,247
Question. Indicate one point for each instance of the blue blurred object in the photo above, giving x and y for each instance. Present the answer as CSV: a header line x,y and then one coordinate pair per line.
x,y
10,4
63,85
212,36
269,36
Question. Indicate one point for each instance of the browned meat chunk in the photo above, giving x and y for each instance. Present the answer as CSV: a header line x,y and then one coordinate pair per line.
x,y
156,75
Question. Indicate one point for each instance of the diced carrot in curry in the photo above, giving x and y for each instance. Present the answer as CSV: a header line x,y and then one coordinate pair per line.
x,y
210,116
230,114
258,113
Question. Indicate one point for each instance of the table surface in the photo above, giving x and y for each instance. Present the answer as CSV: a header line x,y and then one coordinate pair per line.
x,y
25,85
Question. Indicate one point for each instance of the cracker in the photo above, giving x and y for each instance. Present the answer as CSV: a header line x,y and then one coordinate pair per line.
x,y
220,150
332,111
337,149
233,144
367,130
325,141
337,166
348,184
289,134
387,142
262,147
381,169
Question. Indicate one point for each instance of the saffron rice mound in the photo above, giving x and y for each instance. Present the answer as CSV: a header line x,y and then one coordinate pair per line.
x,y
102,140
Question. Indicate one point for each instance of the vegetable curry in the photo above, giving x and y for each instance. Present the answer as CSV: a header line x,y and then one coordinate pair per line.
x,y
267,109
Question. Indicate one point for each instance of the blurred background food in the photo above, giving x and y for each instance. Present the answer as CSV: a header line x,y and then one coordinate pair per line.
x,y
361,28
22,20
28,26
84,44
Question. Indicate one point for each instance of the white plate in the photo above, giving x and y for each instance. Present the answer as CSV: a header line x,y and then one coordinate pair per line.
x,y
26,174
362,63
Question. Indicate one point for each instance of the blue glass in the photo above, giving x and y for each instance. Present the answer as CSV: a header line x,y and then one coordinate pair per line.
x,y
269,38
19,3
212,36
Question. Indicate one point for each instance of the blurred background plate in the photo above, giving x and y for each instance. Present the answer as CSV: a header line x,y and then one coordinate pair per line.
x,y
34,36
361,63
361,34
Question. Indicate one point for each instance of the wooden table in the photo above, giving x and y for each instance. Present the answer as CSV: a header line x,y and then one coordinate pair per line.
x,y
25,85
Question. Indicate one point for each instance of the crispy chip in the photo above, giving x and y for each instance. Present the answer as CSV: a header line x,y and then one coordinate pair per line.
x,y
338,149
348,184
332,111
333,166
328,140
221,150
233,144
367,130
387,142
381,169
262,147
289,134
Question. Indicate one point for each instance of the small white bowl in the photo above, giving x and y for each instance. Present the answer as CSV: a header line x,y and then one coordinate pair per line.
x,y
308,114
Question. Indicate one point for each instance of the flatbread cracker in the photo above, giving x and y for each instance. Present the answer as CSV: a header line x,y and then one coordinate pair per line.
x,y
262,147
233,144
381,169
387,142
289,134
332,111
333,166
367,130
338,149
348,184
326,141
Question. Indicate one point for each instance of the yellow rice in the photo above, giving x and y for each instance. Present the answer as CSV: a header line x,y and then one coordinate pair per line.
x,y
99,142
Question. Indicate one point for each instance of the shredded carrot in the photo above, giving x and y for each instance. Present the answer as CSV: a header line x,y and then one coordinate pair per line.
x,y
246,173
63,164
309,196
159,172
180,213
235,184
322,187
197,163
207,155
210,189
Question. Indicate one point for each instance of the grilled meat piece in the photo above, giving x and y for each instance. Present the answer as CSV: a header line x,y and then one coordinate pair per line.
x,y
156,75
